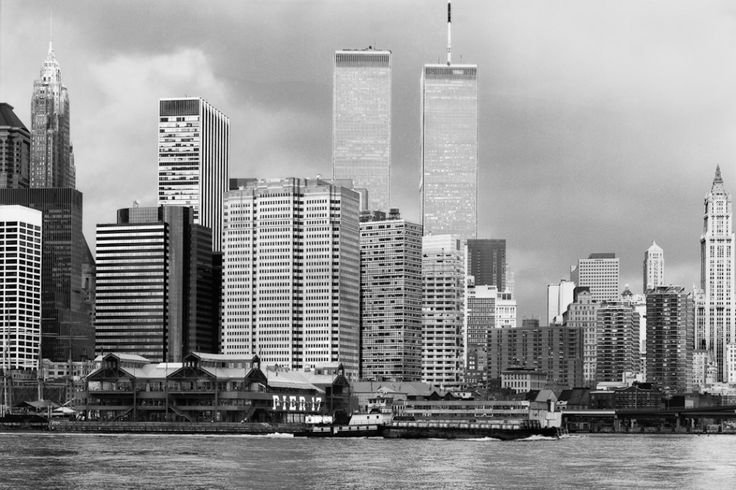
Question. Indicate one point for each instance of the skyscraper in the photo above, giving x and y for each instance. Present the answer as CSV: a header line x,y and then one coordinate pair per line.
x,y
20,287
52,160
193,146
717,275
361,122
653,267
291,273
600,273
670,314
391,297
487,262
449,147
617,341
15,150
581,314
559,297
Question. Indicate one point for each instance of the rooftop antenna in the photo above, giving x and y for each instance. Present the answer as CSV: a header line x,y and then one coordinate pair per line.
x,y
51,29
449,33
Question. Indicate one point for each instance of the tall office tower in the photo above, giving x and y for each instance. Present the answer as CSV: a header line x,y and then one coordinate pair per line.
x,y
443,279
193,146
581,314
653,267
291,273
639,303
68,269
449,147
717,275
52,160
480,319
361,122
391,297
20,287
154,285
487,262
600,273
617,349
559,297
15,150
670,315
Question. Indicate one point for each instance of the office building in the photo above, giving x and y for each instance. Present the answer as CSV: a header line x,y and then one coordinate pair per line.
x,y
291,273
155,285
361,122
717,276
390,297
653,267
600,273
487,262
443,279
449,147
617,342
480,318
20,287
193,146
559,297
15,150
582,315
670,317
52,158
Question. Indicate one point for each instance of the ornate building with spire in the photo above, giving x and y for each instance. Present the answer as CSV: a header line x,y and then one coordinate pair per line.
x,y
653,267
716,331
52,160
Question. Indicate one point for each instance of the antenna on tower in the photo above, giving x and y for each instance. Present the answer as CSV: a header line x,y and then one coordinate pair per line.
x,y
449,33
51,29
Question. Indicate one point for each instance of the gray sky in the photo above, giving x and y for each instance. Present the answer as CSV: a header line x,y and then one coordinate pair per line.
x,y
601,123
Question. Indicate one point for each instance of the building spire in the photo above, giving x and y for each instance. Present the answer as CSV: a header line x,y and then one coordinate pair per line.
x,y
718,179
51,30
449,32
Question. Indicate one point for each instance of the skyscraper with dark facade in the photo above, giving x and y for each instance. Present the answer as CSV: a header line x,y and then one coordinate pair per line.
x,y
15,150
487,262
670,319
52,159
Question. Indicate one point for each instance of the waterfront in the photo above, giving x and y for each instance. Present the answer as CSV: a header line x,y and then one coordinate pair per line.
x,y
46,460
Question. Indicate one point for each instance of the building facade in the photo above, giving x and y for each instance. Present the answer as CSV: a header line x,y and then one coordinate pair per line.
x,y
20,287
480,318
52,158
193,159
291,273
487,262
559,297
600,273
15,150
581,315
617,342
653,267
390,297
361,122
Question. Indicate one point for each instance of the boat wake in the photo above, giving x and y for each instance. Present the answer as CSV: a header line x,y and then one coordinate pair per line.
x,y
538,438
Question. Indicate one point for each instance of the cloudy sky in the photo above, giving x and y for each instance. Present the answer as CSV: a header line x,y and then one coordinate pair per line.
x,y
601,123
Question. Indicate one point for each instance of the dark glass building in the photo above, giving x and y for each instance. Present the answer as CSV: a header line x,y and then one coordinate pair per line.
x,y
487,262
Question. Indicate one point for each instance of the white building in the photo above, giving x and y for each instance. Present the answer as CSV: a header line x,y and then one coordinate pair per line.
x,y
600,273
582,314
653,267
717,277
20,287
193,146
522,380
559,297
291,273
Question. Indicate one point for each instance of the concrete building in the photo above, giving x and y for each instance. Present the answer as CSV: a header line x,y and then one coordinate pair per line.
x,y
361,122
156,289
193,159
600,273
487,262
20,287
559,297
391,297
617,342
653,267
52,157
291,273
717,277
581,314
522,380
480,318
443,279
15,150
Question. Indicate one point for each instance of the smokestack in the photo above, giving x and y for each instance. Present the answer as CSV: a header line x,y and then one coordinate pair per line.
x,y
449,33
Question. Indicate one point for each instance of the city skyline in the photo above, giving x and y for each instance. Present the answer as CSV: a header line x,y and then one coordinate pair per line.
x,y
576,138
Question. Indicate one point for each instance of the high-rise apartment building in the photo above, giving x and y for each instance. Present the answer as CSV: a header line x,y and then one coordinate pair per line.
x,y
480,319
582,314
653,267
391,297
717,276
20,287
617,341
443,279
291,273
670,316
155,290
68,272
193,146
361,122
52,158
559,297
15,150
449,147
487,262
600,273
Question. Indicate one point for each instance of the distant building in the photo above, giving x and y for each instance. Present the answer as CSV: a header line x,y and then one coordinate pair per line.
x,y
15,150
193,156
600,273
581,315
559,297
391,297
487,262
653,267
361,122
617,338
20,287
522,380
639,303
480,318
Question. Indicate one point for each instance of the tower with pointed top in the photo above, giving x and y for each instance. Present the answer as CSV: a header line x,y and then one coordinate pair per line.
x,y
717,276
653,267
52,161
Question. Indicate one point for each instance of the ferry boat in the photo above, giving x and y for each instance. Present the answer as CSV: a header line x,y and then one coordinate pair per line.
x,y
467,429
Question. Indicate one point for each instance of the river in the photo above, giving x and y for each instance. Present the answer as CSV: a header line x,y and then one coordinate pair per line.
x,y
88,461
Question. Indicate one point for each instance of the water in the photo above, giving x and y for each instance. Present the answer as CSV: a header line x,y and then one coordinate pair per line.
x,y
42,460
